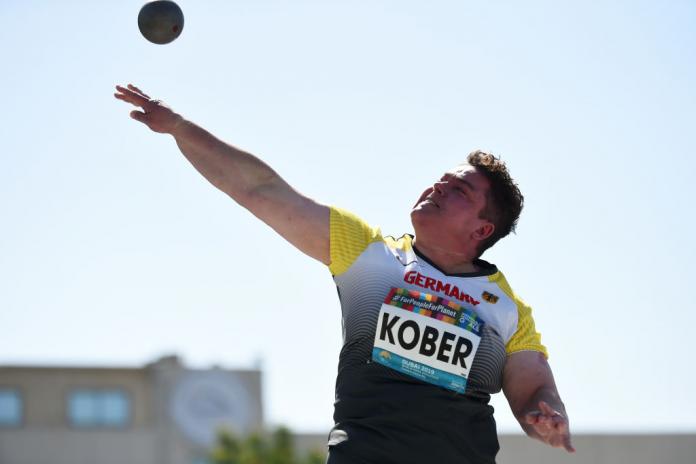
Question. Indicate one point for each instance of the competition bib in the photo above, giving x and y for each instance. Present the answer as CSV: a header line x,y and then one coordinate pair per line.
x,y
427,337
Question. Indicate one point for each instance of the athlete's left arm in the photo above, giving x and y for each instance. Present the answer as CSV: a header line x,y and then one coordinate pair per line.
x,y
530,389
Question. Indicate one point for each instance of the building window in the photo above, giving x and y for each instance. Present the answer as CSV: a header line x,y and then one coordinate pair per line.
x,y
99,408
10,408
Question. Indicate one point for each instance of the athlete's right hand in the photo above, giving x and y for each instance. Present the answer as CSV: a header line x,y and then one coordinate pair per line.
x,y
155,115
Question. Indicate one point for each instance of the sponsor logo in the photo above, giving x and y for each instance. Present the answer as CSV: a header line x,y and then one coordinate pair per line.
x,y
489,297
452,291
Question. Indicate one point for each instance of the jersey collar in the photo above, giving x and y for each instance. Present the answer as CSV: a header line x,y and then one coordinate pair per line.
x,y
487,269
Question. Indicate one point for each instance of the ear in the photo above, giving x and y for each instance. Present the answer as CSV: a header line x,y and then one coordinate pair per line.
x,y
484,231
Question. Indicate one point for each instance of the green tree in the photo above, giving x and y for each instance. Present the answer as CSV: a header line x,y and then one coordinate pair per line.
x,y
260,448
315,457
227,450
254,450
282,447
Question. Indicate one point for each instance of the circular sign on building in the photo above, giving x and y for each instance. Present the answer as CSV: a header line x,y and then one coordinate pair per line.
x,y
202,402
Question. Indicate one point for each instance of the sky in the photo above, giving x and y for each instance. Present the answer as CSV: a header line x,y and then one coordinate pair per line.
x,y
114,251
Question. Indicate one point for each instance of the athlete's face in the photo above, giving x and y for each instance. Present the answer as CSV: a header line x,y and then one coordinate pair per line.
x,y
448,211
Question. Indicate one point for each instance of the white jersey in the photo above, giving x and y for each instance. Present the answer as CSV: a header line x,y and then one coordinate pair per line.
x,y
418,343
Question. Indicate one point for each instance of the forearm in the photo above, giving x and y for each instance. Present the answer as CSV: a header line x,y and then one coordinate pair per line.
x,y
235,172
299,219
534,400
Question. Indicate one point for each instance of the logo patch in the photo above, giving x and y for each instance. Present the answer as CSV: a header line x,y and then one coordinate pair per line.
x,y
489,297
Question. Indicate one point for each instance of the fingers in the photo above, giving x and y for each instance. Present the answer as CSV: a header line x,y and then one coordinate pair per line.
x,y
549,417
546,409
564,438
139,116
137,90
540,421
567,445
131,97
561,440
555,421
552,426
532,417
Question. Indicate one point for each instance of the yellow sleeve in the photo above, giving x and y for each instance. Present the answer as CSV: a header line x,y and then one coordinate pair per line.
x,y
349,236
526,337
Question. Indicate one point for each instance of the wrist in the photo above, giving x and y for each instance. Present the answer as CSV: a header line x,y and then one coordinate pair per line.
x,y
179,126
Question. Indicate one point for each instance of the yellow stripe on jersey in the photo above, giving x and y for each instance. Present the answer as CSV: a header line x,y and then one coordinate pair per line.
x,y
349,236
403,243
525,338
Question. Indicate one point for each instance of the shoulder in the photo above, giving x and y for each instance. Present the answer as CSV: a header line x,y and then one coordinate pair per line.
x,y
524,336
349,236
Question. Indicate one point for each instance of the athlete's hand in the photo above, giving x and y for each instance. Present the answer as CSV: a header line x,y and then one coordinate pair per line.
x,y
155,115
551,426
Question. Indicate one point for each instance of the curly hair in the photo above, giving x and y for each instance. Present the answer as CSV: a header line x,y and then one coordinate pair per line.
x,y
504,201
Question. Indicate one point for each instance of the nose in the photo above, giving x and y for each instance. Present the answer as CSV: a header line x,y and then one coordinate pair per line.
x,y
439,187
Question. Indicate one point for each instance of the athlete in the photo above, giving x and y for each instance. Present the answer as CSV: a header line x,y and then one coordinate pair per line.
x,y
430,329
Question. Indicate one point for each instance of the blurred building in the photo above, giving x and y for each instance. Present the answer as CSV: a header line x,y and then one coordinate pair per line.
x,y
602,449
162,413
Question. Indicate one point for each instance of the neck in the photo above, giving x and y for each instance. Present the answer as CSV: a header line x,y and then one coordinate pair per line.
x,y
451,262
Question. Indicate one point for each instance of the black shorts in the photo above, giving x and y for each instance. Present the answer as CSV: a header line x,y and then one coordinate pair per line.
x,y
336,456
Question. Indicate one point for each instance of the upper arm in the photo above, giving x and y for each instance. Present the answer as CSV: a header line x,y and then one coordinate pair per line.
x,y
299,219
524,375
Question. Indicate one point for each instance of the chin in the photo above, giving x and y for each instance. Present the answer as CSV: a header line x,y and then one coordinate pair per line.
x,y
424,210
419,219
416,213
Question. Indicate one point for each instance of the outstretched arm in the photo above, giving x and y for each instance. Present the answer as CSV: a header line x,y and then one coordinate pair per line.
x,y
531,391
244,177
